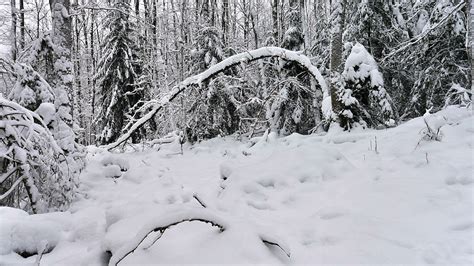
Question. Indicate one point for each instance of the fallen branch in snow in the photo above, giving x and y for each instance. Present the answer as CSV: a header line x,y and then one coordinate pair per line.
x,y
268,242
197,80
190,215
195,196
126,250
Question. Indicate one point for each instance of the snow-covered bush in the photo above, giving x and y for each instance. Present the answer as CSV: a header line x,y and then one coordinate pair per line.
x,y
35,170
433,124
362,94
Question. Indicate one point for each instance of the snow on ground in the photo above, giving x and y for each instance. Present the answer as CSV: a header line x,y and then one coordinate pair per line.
x,y
361,197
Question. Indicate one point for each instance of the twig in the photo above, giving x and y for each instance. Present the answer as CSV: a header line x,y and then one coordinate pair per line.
x,y
195,196
287,253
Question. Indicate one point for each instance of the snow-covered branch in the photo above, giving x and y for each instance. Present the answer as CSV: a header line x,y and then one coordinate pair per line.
x,y
426,32
161,226
197,80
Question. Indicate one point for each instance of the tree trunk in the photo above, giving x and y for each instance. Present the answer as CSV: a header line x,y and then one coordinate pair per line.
x,y
276,35
470,38
14,49
225,22
22,25
91,136
205,12
246,22
213,8
338,14
137,8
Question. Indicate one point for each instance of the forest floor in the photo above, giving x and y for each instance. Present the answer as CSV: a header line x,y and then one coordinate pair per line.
x,y
361,197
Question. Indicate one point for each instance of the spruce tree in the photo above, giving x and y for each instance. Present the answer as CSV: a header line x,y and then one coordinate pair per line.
x,y
119,71
292,108
362,95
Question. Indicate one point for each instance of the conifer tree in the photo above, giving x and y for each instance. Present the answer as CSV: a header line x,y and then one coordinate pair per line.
x,y
362,95
119,71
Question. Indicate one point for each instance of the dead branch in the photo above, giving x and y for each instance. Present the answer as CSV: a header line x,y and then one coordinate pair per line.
x,y
116,259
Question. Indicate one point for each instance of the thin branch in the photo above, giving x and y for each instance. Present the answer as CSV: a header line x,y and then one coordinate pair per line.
x,y
116,259
17,182
425,33
287,253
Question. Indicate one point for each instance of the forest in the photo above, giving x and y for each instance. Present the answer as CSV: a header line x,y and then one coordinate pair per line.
x,y
122,119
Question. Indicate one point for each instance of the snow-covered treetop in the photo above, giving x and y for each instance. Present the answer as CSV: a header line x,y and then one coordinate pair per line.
x,y
360,65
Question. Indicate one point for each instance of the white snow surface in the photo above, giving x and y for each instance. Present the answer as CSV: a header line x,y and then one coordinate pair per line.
x,y
360,197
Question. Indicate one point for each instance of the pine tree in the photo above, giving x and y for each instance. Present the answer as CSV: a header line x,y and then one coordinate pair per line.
x,y
119,70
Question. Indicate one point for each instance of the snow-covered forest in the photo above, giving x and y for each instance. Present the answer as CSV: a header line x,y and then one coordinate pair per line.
x,y
277,132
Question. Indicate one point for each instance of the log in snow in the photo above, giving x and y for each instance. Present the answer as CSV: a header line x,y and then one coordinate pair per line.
x,y
245,57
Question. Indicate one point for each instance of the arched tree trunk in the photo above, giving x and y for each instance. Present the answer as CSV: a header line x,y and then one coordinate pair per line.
x,y
199,79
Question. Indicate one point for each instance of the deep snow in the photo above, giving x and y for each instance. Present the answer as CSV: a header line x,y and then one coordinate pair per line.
x,y
347,197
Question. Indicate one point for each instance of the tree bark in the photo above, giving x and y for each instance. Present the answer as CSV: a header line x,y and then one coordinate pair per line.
x,y
338,14
225,22
137,8
14,49
276,35
93,58
22,25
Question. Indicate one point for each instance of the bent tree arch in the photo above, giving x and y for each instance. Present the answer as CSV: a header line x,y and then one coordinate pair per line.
x,y
197,80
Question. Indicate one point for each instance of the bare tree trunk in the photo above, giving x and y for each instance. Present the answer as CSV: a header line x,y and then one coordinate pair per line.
x,y
281,25
304,24
137,8
205,12
62,36
77,67
197,11
225,22
254,30
183,23
246,22
213,12
276,35
470,38
22,25
234,25
338,15
14,49
91,136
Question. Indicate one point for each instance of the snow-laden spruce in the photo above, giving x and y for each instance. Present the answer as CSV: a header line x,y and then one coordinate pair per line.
x,y
118,75
362,94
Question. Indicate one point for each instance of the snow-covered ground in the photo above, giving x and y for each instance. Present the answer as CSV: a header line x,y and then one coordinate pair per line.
x,y
363,197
